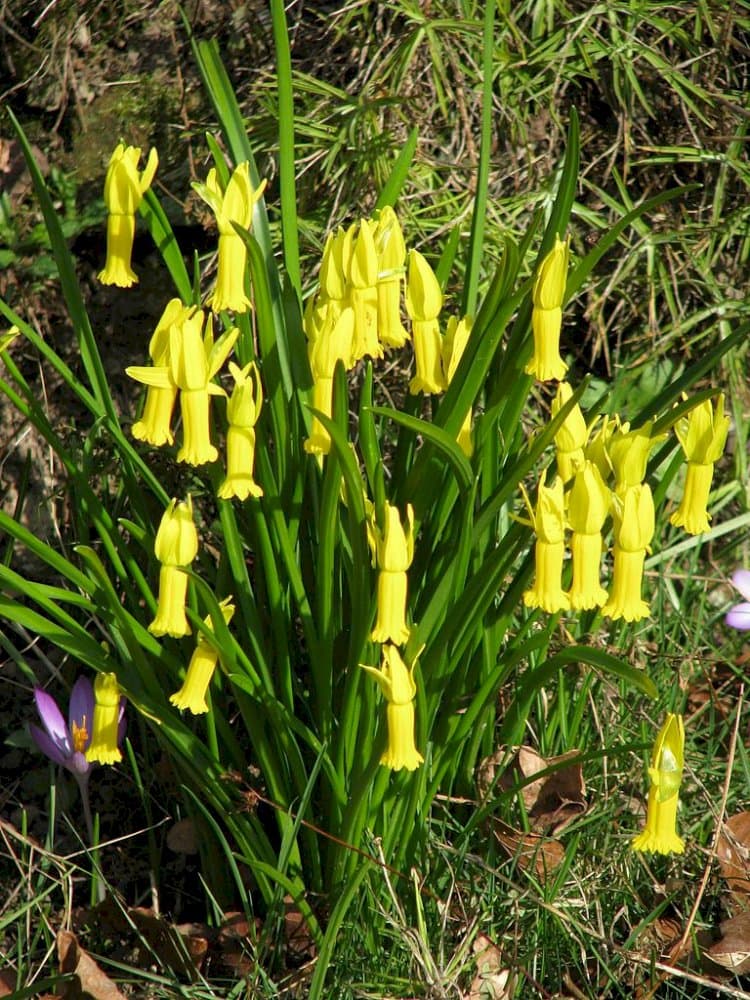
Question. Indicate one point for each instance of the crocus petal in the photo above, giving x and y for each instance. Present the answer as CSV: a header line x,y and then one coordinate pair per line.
x,y
741,580
81,708
52,720
47,745
739,617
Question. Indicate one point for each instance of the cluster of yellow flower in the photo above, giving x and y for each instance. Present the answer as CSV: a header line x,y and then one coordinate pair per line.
x,y
587,456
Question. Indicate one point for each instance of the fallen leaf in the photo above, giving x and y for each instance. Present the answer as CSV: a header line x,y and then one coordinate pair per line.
x,y
300,945
89,978
545,854
733,950
492,980
733,852
553,799
182,837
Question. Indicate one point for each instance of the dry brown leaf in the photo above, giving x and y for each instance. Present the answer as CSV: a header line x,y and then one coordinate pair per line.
x,y
492,980
733,852
546,855
300,945
234,942
7,983
164,939
182,837
733,950
89,978
554,799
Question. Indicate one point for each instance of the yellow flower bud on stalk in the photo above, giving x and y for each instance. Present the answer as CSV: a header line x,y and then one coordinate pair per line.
x,y
124,188
103,748
154,427
629,452
394,551
243,411
424,300
236,204
175,546
633,515
457,334
396,681
546,314
702,434
192,694
548,521
571,438
334,343
363,294
391,249
665,774
588,506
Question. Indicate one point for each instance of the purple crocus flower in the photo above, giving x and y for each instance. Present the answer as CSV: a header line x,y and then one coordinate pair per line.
x,y
739,616
63,743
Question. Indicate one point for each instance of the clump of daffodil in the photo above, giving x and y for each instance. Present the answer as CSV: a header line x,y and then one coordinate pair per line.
x,y
424,300
124,187
103,748
176,546
389,242
155,425
629,451
236,204
243,411
454,344
397,683
546,314
192,694
394,551
571,438
588,507
363,293
548,521
665,775
332,343
702,434
633,516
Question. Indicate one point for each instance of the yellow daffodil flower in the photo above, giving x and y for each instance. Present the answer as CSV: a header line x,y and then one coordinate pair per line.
x,y
333,343
236,204
363,294
243,410
633,515
571,438
588,506
176,546
665,775
424,300
103,748
391,249
124,187
154,427
394,548
454,344
702,434
548,521
599,435
546,314
396,681
629,451
192,694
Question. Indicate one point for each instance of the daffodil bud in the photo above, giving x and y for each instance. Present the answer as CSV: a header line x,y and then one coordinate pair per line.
x,y
424,299
124,188
588,507
702,434
192,694
665,775
629,451
396,681
394,549
571,438
549,524
546,314
175,546
633,515
456,338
